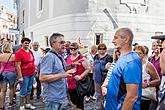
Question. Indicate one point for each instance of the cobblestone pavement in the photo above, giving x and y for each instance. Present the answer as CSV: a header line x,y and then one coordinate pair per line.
x,y
38,103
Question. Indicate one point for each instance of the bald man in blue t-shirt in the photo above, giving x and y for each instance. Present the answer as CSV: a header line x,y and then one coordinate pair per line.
x,y
125,85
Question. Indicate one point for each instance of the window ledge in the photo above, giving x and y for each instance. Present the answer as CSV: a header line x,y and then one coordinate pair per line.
x,y
39,13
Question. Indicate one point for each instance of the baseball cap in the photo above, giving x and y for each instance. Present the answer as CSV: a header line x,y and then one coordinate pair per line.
x,y
160,37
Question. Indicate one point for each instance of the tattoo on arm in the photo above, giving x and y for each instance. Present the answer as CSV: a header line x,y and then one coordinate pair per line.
x,y
131,96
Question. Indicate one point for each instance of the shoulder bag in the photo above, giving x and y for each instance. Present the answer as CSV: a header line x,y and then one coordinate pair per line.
x,y
149,93
84,87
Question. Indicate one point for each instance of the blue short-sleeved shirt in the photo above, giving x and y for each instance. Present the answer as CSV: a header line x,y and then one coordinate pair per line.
x,y
56,90
127,70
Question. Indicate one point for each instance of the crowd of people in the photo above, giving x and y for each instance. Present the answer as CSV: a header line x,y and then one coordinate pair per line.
x,y
129,79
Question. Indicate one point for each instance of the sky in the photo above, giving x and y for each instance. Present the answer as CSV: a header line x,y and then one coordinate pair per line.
x,y
8,4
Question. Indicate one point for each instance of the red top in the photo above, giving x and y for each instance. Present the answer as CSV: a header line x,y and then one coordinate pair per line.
x,y
79,70
10,67
27,62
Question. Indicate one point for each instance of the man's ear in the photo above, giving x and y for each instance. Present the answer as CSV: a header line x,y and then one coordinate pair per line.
x,y
126,39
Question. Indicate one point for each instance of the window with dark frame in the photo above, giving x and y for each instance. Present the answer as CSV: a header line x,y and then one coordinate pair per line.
x,y
98,38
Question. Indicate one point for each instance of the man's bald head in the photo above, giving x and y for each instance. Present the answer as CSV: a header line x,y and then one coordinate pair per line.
x,y
126,33
35,45
123,40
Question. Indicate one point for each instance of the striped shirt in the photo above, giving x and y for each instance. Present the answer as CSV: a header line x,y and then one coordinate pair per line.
x,y
110,71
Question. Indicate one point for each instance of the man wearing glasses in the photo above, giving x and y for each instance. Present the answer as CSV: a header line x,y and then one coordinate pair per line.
x,y
53,74
162,66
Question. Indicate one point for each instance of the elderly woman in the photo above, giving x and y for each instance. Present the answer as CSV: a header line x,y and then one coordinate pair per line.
x,y
109,73
25,70
82,68
7,69
100,71
150,77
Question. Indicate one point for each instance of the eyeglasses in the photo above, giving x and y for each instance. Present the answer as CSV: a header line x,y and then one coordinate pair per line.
x,y
101,48
73,48
61,42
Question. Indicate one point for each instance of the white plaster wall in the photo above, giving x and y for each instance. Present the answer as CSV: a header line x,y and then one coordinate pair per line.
x,y
85,24
81,25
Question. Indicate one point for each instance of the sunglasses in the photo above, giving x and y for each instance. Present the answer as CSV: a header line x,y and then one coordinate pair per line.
x,y
139,53
26,43
73,48
102,48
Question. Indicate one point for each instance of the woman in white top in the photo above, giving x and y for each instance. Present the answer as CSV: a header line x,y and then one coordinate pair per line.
x,y
150,76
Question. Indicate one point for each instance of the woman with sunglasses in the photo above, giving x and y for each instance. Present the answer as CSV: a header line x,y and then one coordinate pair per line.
x,y
82,68
150,77
100,71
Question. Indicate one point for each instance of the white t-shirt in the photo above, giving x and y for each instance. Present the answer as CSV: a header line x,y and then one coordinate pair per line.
x,y
37,57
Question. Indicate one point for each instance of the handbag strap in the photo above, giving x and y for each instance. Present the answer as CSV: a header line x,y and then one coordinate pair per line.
x,y
59,58
64,67
5,65
77,65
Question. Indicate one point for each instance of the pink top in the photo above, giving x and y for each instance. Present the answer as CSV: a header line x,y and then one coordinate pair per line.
x,y
10,67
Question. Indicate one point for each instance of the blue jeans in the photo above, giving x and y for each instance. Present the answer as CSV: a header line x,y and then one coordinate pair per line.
x,y
9,77
100,98
26,85
52,106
